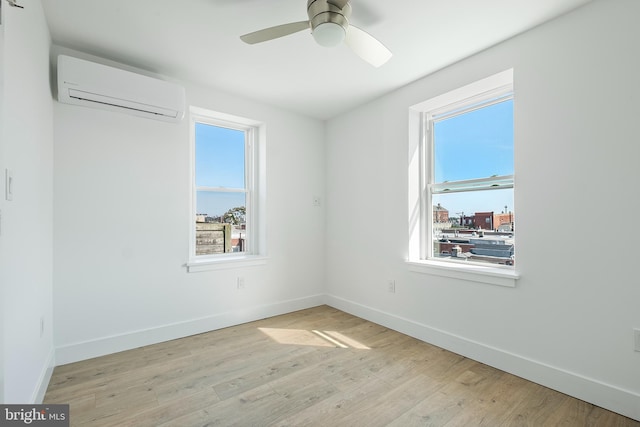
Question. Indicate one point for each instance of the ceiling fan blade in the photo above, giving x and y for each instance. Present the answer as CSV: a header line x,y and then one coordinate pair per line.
x,y
338,3
275,32
367,47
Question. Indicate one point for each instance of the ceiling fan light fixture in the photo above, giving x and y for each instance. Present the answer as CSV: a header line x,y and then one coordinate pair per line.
x,y
329,34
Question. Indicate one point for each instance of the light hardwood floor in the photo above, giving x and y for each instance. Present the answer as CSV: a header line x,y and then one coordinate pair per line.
x,y
317,367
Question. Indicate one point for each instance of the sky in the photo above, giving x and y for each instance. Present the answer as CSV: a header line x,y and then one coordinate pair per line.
x,y
477,144
219,163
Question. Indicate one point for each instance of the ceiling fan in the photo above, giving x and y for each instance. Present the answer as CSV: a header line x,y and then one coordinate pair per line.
x,y
329,25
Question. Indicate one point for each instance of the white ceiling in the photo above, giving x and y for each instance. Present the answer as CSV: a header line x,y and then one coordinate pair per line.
x,y
198,41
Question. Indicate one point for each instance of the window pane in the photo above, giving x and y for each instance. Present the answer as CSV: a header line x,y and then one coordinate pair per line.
x,y
477,226
477,144
220,222
220,154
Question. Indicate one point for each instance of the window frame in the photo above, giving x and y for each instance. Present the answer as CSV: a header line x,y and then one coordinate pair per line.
x,y
422,186
254,190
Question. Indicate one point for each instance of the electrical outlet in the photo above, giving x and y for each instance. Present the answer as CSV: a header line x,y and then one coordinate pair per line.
x,y
391,286
636,339
240,283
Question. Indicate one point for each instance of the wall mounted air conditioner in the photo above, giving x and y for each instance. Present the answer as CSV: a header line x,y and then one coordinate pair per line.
x,y
86,83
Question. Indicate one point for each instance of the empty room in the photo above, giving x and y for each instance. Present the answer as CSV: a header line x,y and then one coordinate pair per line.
x,y
330,212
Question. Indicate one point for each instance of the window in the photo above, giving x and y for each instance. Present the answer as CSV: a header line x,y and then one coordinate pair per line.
x,y
463,180
226,189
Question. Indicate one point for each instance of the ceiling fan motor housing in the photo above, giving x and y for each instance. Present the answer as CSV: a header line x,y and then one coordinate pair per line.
x,y
323,12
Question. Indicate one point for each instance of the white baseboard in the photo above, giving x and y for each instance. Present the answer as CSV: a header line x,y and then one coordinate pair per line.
x,y
44,378
605,395
112,344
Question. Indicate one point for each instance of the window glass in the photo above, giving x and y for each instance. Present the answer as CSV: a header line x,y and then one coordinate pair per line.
x,y
460,219
471,182
220,156
474,144
221,191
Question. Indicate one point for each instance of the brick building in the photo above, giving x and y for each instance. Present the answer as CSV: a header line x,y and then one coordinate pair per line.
x,y
440,214
493,221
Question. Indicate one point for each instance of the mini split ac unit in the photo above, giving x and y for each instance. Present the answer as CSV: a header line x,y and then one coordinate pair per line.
x,y
86,83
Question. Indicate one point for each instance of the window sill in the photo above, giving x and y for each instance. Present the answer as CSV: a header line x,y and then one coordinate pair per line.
x,y
222,263
474,273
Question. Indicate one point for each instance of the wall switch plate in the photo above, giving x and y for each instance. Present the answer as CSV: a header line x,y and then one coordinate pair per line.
x,y
240,283
8,184
316,201
636,339
391,286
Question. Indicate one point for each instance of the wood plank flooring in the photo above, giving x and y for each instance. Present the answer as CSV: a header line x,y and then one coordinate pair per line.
x,y
316,367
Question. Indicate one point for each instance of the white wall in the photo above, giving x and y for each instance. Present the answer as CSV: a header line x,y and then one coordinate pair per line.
x,y
122,225
2,245
568,323
26,237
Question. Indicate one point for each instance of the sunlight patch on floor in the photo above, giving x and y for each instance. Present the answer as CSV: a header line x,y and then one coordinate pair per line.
x,y
349,342
313,338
